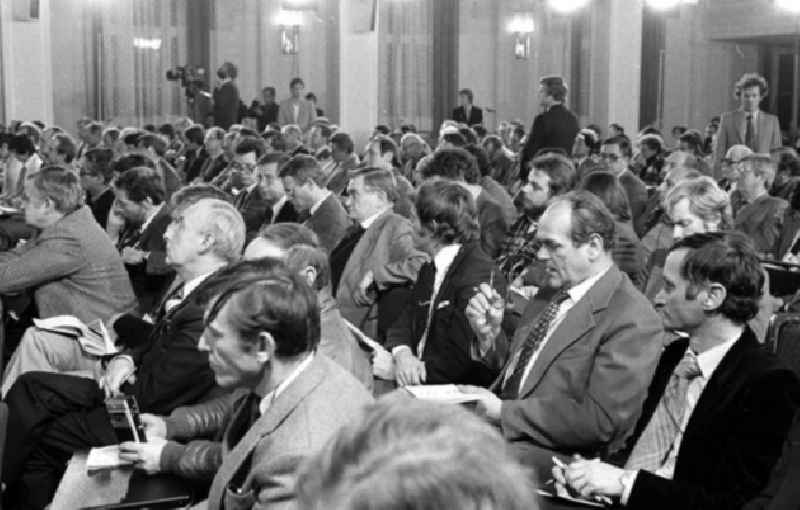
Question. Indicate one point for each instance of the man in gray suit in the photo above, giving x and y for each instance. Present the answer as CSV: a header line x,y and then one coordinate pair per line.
x,y
71,267
303,180
295,109
262,332
378,254
578,372
748,125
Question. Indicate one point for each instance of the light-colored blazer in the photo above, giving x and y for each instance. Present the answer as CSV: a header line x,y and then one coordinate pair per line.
x,y
733,131
586,388
386,249
305,116
322,399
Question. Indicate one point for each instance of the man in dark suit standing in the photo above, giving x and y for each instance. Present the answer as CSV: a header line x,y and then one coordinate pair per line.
x,y
555,127
303,180
719,406
577,373
748,125
466,113
226,97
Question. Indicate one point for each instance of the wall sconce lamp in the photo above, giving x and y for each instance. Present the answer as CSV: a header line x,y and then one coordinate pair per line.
x,y
522,26
290,22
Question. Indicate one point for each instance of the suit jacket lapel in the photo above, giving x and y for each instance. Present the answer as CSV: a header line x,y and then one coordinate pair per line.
x,y
363,250
283,405
724,382
578,320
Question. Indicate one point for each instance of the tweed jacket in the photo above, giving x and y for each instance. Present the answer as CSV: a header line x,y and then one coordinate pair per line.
x,y
73,268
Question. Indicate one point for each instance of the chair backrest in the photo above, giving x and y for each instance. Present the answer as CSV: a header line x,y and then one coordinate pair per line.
x,y
783,338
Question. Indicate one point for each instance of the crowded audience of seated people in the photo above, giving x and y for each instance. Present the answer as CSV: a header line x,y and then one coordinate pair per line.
x,y
601,298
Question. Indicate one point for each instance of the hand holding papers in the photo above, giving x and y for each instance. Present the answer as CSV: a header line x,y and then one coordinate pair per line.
x,y
93,338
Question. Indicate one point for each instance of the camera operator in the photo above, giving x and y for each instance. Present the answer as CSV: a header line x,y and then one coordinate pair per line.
x,y
226,97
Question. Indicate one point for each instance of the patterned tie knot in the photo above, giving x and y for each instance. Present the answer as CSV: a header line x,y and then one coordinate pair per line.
x,y
688,368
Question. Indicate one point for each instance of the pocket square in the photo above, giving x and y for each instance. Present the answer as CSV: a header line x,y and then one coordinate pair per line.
x,y
443,304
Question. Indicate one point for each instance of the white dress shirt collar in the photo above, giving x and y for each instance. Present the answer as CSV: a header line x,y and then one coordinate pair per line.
x,y
277,206
270,397
710,359
318,203
152,215
580,290
369,221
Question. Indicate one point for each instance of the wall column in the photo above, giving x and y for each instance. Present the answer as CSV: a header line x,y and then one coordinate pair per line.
x,y
358,60
27,77
616,63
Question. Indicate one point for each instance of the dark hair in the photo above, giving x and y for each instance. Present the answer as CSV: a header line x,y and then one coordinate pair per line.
x,y
729,259
142,183
652,143
132,138
65,146
456,139
167,130
495,141
271,90
607,187
618,127
194,134
404,453
276,302
129,161
296,81
554,87
325,131
227,70
286,235
481,159
623,142
154,140
749,80
651,130
95,128
311,97
300,256
467,93
378,179
408,128
469,135
304,168
589,217
447,211
343,142
693,138
275,140
59,185
479,130
383,129
453,164
98,162
250,144
21,144
193,193
559,169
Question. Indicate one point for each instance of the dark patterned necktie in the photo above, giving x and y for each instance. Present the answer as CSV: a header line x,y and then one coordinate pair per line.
x,y
749,137
512,385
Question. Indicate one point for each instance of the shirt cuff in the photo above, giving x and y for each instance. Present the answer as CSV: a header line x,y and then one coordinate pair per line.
x,y
627,480
399,348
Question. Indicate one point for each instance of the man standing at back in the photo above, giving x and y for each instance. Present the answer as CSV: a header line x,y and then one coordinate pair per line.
x,y
295,109
748,125
466,113
554,128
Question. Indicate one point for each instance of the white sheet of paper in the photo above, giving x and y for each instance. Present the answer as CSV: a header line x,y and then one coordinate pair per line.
x,y
105,457
448,393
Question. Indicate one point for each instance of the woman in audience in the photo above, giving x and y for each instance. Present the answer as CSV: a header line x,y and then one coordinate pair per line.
x,y
628,251
431,340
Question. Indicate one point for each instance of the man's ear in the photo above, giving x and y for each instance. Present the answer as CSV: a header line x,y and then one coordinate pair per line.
x,y
310,275
266,348
715,296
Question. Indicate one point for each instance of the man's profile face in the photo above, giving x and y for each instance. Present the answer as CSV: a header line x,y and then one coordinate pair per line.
x,y
231,358
133,212
685,222
751,98
183,236
35,206
579,148
536,193
566,264
678,312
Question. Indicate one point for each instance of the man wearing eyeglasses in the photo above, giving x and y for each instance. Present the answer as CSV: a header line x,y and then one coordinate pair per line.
x,y
616,153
